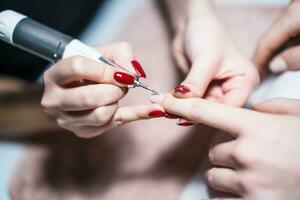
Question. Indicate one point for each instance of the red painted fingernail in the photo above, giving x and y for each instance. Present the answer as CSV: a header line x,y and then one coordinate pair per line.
x,y
185,124
182,89
138,68
123,78
171,116
156,113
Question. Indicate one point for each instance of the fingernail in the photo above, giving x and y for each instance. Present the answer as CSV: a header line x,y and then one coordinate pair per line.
x,y
156,98
171,116
185,124
123,78
138,68
156,113
278,65
182,89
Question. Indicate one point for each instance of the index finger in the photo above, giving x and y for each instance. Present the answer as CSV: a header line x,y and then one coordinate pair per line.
x,y
81,68
226,118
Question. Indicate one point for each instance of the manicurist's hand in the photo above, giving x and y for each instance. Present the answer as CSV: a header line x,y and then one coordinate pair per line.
x,y
215,69
82,95
279,50
262,161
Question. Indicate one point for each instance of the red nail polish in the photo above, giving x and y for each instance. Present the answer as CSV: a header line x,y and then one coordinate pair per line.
x,y
185,124
78,83
182,89
171,116
138,68
156,113
123,78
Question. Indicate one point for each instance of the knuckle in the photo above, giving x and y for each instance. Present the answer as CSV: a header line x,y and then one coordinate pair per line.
x,y
103,116
76,64
61,122
46,75
52,98
241,155
123,45
246,181
209,175
47,103
120,120
87,99
237,154
48,83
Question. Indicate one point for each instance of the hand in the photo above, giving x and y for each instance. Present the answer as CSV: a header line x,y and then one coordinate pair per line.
x,y
261,161
279,49
215,68
82,95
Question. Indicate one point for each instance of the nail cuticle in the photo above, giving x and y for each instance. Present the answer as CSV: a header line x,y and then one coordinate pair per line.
x,y
156,113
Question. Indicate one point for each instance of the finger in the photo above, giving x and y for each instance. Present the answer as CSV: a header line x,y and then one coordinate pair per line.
x,y
81,68
237,89
122,54
179,54
221,154
198,79
96,117
228,119
184,122
81,98
289,59
281,31
279,106
129,114
214,91
122,116
225,180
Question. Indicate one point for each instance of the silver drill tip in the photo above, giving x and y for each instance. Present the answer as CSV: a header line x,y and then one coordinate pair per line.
x,y
148,88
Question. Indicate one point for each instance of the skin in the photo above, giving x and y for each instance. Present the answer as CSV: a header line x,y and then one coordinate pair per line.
x,y
278,50
257,162
151,159
83,109
224,76
215,68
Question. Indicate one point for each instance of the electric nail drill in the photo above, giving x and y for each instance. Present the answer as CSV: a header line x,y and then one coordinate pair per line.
x,y
45,42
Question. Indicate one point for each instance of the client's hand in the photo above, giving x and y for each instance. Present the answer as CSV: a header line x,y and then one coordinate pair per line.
x,y
261,162
216,70
279,49
82,95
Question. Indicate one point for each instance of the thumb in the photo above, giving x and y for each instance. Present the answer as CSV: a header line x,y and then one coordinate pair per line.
x,y
229,119
289,59
198,79
279,106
